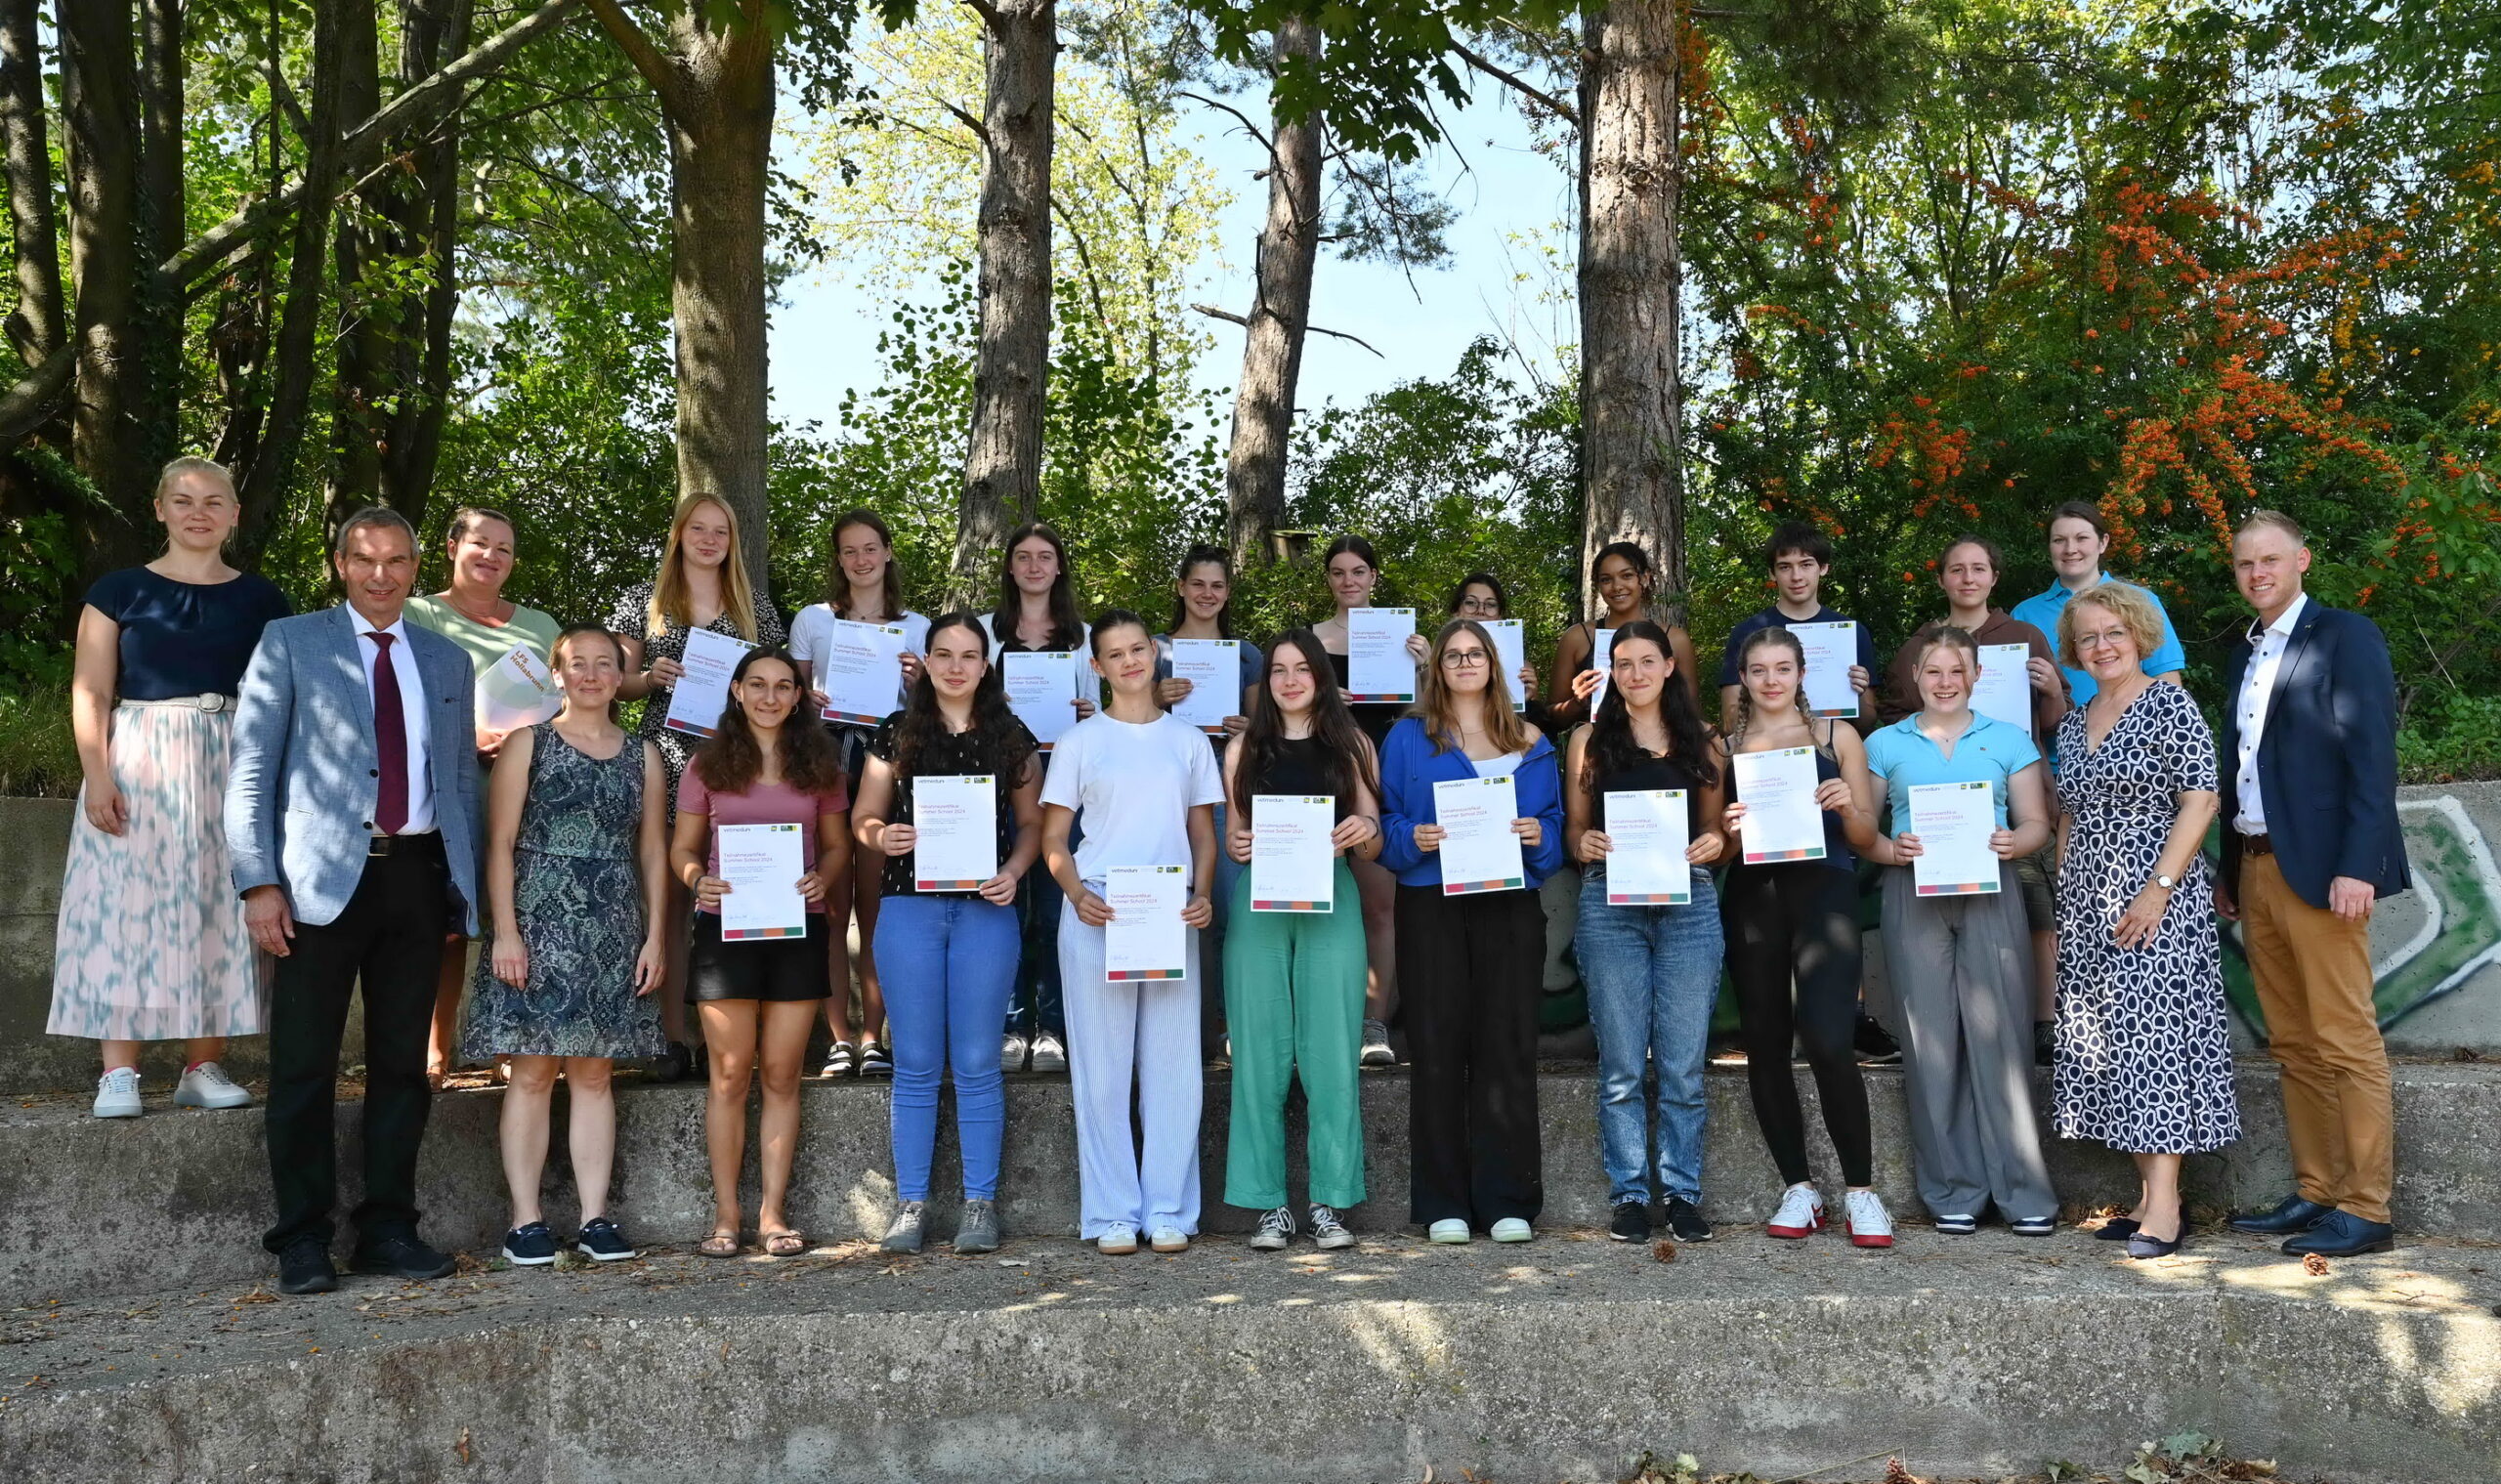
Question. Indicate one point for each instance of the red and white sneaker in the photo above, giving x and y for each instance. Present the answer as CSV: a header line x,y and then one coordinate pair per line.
x,y
1800,1213
1866,1220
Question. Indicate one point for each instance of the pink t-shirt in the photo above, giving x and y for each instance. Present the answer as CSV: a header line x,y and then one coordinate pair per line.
x,y
776,803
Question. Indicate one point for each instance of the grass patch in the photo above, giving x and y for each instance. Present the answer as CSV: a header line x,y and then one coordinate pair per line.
x,y
38,756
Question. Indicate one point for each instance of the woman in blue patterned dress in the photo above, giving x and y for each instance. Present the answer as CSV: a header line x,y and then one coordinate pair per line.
x,y
574,876
2143,1049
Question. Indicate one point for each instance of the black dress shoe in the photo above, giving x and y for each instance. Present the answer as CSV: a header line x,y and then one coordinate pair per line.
x,y
2293,1213
401,1255
303,1268
2342,1234
2116,1229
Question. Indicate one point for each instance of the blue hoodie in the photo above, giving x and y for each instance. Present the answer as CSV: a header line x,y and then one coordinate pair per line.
x,y
1409,768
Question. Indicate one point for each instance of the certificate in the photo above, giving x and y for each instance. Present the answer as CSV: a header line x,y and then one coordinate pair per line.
x,y
1649,830
1479,852
517,691
1214,670
1146,938
2004,690
1379,668
1510,651
1831,650
1293,868
861,671
763,866
1782,821
1953,823
703,693
1042,689
1602,660
955,817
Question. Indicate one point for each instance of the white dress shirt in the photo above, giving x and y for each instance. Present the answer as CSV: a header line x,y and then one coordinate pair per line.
x,y
413,714
2249,710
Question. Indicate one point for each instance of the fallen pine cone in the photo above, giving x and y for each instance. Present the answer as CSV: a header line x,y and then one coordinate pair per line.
x,y
2314,1265
1895,1473
1664,1250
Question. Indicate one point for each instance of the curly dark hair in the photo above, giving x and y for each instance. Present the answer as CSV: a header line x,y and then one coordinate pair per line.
x,y
1612,749
732,760
1349,755
1000,739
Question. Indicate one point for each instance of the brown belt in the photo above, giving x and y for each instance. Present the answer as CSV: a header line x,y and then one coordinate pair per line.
x,y
2257,846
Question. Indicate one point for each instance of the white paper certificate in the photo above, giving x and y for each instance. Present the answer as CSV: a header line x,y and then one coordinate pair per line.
x,y
1479,852
955,817
1649,830
1041,690
703,693
517,691
1510,651
1293,869
1602,660
1146,938
1782,821
1379,668
1214,670
1953,823
2004,692
861,671
1831,650
763,865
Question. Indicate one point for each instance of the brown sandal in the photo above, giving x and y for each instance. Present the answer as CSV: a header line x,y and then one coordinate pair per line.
x,y
784,1243
719,1244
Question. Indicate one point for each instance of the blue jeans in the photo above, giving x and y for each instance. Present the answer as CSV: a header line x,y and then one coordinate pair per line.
x,y
949,963
1653,976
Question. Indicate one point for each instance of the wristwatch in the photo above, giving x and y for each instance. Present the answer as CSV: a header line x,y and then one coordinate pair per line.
x,y
2167,883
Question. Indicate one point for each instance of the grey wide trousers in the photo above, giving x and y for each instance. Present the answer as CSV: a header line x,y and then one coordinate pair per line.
x,y
1961,969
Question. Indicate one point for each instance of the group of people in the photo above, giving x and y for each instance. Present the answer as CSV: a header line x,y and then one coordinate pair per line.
x,y
279,808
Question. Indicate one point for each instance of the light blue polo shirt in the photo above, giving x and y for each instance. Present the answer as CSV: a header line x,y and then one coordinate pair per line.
x,y
2042,612
1990,752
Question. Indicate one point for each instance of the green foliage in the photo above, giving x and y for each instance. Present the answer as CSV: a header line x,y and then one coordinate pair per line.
x,y
38,756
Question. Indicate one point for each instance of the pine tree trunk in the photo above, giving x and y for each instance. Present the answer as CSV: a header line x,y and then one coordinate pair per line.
x,y
1631,469
1255,468
426,219
100,117
361,382
1003,454
36,326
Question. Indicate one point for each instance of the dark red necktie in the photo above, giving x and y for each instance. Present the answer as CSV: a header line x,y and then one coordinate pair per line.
x,y
390,742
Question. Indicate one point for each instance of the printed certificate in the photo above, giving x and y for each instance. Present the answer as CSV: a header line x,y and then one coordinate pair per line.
x,y
1831,650
2004,690
1953,823
1649,829
1379,668
1510,651
956,817
702,693
1479,852
763,865
1782,821
1041,690
1293,868
517,691
1602,660
861,671
1146,938
1214,670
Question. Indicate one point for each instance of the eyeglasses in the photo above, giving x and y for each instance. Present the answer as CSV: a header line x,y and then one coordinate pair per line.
x,y
1464,659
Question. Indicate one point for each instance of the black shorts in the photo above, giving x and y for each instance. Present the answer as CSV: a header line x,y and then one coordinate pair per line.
x,y
770,969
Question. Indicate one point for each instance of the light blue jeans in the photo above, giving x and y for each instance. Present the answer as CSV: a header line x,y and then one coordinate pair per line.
x,y
1653,976
948,964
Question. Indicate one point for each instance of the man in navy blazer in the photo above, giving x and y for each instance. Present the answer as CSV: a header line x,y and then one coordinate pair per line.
x,y
2310,843
352,819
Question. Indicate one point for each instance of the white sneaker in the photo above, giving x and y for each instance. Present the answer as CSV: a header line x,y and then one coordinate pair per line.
x,y
1328,1231
1513,1229
1048,1054
1169,1239
117,1093
1800,1213
1119,1240
1011,1053
1867,1221
1276,1229
207,1085
1448,1229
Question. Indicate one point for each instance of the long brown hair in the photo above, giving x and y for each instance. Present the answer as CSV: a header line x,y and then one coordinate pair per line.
x,y
1612,749
732,759
1068,627
1347,760
669,604
1503,727
837,583
1001,741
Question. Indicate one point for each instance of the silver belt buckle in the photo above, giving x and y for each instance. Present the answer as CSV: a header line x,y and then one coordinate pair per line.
x,y
211,702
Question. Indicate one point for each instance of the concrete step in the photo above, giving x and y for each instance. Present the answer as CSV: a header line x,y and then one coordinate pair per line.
x,y
1980,1356
180,1197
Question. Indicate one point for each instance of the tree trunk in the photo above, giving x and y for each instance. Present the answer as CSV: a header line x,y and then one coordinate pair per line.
x,y
361,382
1632,481
1003,454
34,328
426,219
1255,468
99,116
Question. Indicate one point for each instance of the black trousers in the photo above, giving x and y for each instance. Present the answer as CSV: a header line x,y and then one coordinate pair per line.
x,y
391,938
1469,970
1797,921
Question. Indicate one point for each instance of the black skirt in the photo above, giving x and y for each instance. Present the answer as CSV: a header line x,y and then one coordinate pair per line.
x,y
768,970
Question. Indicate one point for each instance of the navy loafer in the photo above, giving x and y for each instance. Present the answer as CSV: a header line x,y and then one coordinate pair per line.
x,y
2293,1213
2342,1234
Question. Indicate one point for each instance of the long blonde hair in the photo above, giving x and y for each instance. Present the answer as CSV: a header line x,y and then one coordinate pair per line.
x,y
668,592
1503,727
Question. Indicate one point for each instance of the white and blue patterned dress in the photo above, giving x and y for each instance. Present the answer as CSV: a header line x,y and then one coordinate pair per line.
x,y
2143,1045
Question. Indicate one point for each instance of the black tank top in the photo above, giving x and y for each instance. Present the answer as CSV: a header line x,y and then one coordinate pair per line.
x,y
1300,767
1375,717
1657,772
1837,852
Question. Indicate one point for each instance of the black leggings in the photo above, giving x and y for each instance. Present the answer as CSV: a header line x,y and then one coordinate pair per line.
x,y
1800,918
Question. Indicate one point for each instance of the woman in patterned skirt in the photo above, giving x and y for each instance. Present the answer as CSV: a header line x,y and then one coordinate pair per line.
x,y
575,869
702,583
150,943
2143,1049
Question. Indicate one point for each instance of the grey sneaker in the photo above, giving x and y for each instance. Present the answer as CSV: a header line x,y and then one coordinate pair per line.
x,y
1276,1229
1048,1054
1376,1053
1328,1231
977,1230
904,1234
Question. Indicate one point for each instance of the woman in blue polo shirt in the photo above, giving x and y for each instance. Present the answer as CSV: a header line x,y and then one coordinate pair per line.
x,y
1959,960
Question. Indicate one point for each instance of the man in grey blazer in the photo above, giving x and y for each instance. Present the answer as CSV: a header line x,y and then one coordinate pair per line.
x,y
352,819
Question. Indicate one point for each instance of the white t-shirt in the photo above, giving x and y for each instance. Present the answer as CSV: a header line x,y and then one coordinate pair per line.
x,y
1132,784
812,631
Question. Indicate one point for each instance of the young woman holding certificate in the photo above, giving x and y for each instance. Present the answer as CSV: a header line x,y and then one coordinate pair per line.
x,y
1204,673
1472,821
951,806
760,840
1626,585
1136,888
858,652
1642,811
1790,910
1299,781
1967,800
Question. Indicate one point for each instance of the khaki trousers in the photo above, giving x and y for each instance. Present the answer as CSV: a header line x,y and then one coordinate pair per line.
x,y
2313,974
